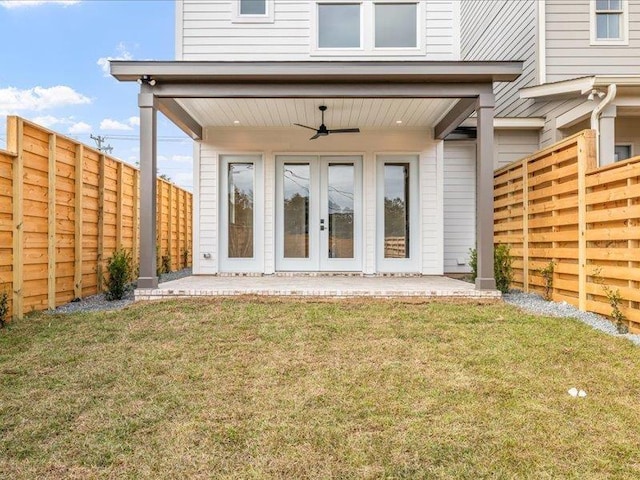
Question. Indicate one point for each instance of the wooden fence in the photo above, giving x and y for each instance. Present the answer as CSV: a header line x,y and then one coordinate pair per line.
x,y
64,208
557,206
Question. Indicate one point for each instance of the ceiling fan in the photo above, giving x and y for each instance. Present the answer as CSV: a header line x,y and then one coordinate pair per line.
x,y
323,131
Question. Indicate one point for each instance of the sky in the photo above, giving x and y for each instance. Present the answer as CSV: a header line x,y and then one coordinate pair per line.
x,y
54,71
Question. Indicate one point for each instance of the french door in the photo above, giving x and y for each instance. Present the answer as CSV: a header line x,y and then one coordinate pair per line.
x,y
318,213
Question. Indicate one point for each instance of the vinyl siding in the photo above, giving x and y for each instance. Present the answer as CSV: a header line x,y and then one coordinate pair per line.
x,y
205,31
502,30
270,142
569,53
512,145
459,204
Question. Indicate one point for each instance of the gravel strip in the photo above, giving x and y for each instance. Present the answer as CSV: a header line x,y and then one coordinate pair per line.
x,y
98,302
533,303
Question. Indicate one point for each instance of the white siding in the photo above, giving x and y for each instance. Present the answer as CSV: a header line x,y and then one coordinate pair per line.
x,y
569,53
512,145
205,31
459,204
271,142
502,30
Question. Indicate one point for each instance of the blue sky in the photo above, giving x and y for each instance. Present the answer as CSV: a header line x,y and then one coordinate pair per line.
x,y
53,71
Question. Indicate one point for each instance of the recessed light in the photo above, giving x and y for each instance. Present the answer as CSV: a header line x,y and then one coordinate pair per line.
x,y
236,122
399,122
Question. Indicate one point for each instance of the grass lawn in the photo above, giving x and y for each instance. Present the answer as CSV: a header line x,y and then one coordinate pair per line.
x,y
245,388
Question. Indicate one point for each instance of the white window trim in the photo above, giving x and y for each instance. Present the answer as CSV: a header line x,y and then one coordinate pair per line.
x,y
367,31
237,17
624,28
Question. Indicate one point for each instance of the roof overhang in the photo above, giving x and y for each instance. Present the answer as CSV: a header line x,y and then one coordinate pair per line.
x,y
172,83
577,86
317,71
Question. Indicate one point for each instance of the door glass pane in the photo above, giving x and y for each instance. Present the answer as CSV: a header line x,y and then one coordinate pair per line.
x,y
340,185
396,210
240,178
253,7
296,182
338,25
396,25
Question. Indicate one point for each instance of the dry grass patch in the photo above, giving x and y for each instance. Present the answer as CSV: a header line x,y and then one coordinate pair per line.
x,y
246,388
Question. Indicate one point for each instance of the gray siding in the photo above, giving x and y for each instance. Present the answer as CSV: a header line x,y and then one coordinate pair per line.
x,y
459,204
206,31
569,53
502,30
512,145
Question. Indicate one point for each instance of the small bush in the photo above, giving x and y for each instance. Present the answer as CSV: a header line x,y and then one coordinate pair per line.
x,y
166,263
120,270
185,258
615,299
502,266
547,274
4,307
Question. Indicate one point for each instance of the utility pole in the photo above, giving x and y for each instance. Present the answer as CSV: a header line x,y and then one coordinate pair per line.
x,y
99,141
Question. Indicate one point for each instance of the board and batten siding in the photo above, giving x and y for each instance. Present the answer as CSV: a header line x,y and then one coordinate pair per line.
x,y
270,142
569,53
459,205
205,31
502,30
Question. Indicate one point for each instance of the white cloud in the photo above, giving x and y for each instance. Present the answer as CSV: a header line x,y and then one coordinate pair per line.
x,y
34,3
182,158
184,179
13,100
122,54
110,124
49,121
79,128
134,121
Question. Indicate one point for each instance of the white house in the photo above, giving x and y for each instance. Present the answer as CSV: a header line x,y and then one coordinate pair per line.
x,y
319,133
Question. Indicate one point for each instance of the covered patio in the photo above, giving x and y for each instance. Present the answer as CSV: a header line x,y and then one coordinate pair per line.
x,y
193,95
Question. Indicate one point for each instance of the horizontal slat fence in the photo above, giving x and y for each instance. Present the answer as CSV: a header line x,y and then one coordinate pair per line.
x,y
557,206
64,208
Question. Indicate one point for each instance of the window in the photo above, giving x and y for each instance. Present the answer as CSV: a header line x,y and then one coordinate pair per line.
x,y
622,152
396,25
339,25
253,11
609,22
373,27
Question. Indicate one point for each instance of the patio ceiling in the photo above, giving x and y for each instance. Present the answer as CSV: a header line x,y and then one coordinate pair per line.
x,y
342,112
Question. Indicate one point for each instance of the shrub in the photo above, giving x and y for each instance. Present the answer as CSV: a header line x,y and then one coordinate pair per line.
x,y
166,263
615,299
185,258
4,307
502,266
547,274
120,270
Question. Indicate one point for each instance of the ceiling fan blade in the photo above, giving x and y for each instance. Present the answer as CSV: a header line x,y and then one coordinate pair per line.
x,y
345,130
315,136
304,126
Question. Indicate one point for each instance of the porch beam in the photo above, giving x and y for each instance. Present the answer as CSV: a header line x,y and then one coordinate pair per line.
x,y
179,116
458,114
148,170
484,193
323,90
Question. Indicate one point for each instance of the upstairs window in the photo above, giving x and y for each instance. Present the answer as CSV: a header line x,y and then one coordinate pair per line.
x,y
339,25
373,27
396,25
609,22
253,11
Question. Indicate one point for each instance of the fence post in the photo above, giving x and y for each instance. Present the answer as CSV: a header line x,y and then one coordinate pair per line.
x,y
100,265
15,139
119,204
136,200
169,229
77,270
51,226
584,150
159,205
525,224
187,246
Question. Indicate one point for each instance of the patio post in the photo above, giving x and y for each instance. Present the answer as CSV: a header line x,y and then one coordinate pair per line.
x,y
146,102
484,193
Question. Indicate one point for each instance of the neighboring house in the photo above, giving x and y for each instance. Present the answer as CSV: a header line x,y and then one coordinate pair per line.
x,y
394,198
579,56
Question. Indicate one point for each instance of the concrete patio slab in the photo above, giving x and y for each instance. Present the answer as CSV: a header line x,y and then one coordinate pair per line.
x,y
316,286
